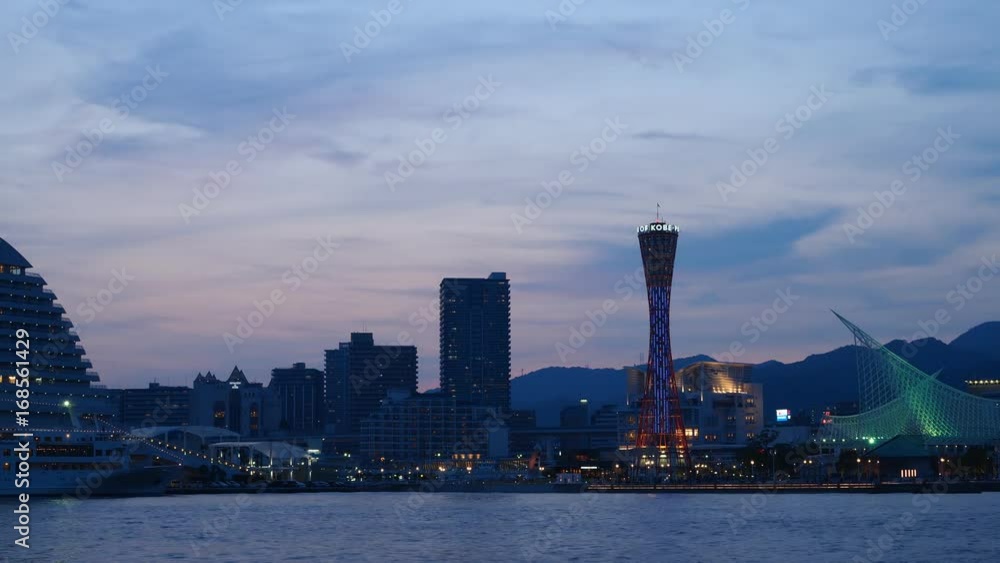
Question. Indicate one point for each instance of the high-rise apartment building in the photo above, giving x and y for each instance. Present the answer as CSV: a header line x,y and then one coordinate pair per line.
x,y
475,340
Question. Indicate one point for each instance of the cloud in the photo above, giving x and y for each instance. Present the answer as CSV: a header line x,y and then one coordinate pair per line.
x,y
324,175
931,80
659,134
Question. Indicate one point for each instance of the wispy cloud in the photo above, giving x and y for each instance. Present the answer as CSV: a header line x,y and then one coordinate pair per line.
x,y
323,176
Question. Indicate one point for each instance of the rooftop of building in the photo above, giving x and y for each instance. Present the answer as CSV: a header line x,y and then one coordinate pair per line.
x,y
11,257
494,276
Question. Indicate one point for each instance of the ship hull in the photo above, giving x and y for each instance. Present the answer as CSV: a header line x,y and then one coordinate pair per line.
x,y
83,484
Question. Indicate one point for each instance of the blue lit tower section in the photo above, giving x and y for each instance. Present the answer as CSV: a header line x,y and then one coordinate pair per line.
x,y
661,441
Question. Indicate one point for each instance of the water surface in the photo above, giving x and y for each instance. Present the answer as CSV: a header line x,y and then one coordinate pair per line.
x,y
502,527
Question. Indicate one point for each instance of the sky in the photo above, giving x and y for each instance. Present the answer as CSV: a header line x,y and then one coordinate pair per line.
x,y
181,170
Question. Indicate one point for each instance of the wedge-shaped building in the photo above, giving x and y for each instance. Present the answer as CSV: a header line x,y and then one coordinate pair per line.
x,y
32,321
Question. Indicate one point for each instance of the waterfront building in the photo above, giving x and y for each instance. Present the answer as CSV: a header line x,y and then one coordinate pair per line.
x,y
63,391
604,429
635,385
475,340
628,428
300,394
986,388
522,418
73,420
583,438
248,409
898,399
723,409
521,422
157,405
575,416
432,428
359,375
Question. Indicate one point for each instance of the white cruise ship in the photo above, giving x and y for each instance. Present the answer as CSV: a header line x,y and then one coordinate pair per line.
x,y
49,405
81,464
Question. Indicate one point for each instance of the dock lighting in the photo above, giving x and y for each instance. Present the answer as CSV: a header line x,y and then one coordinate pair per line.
x,y
66,404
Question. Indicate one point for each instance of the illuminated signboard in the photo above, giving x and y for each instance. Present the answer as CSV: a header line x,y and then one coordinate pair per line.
x,y
784,415
658,227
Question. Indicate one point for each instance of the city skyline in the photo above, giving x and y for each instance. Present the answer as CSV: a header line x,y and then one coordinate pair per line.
x,y
336,126
303,280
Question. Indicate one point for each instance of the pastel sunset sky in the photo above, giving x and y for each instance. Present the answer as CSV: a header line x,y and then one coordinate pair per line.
x,y
488,103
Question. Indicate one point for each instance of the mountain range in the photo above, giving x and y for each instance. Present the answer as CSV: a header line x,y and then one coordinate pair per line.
x,y
817,381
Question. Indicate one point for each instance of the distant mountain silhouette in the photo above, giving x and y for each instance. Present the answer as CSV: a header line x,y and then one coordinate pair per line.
x,y
825,379
983,339
817,381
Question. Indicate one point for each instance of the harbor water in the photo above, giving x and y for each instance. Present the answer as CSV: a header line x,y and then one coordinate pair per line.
x,y
511,527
